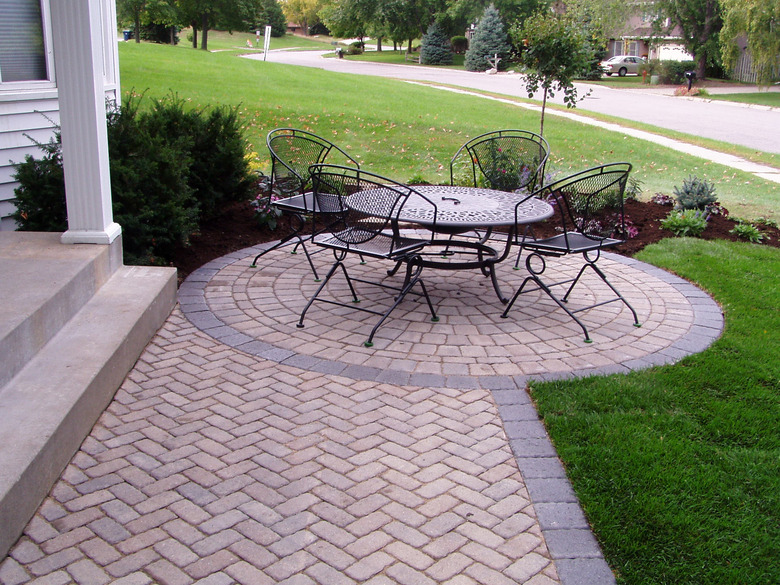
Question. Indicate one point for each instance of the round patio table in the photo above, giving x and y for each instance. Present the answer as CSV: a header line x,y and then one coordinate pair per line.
x,y
465,209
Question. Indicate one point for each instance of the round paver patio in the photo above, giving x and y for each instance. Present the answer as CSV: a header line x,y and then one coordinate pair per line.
x,y
257,309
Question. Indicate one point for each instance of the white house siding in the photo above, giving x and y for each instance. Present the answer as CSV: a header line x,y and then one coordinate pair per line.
x,y
22,121
31,114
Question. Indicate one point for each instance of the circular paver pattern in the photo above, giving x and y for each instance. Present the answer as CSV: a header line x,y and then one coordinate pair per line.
x,y
257,309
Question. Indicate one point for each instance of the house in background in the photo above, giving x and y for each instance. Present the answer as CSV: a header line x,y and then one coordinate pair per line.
x,y
639,40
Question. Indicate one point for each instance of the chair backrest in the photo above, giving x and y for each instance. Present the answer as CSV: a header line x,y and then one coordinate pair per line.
x,y
507,160
366,204
293,151
590,202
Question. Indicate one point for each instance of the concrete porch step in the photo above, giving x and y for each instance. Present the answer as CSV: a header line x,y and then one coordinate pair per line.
x,y
84,334
43,283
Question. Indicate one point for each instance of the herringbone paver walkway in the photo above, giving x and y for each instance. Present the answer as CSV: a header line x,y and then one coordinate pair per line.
x,y
242,450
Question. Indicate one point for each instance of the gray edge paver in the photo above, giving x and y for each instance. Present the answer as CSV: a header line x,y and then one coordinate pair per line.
x,y
575,550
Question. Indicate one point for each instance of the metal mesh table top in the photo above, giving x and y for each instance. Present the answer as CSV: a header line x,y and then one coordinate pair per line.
x,y
472,207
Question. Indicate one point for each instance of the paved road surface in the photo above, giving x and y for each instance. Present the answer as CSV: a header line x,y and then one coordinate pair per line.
x,y
752,127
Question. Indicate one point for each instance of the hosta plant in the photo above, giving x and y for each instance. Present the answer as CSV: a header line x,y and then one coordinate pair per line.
x,y
688,222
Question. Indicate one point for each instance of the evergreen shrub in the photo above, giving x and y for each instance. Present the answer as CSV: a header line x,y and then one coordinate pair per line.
x,y
170,168
490,39
435,48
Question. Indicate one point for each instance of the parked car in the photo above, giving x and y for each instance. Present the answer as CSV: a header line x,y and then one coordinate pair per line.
x,y
622,64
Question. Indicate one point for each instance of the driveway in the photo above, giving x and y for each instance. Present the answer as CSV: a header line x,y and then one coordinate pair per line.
x,y
752,127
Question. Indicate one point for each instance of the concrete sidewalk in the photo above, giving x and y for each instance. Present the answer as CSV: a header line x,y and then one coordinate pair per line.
x,y
242,449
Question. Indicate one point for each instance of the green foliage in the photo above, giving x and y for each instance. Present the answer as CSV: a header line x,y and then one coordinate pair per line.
x,y
490,39
152,200
159,33
695,193
170,168
758,21
633,189
686,223
556,51
215,145
435,47
459,44
673,72
40,196
265,12
700,24
747,231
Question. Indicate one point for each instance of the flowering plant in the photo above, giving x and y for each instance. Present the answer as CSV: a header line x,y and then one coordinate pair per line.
x,y
265,212
503,170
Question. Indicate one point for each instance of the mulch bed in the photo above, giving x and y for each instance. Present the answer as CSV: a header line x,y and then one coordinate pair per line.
x,y
236,228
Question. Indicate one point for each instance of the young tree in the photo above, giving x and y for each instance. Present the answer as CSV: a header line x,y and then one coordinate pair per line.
x,y
435,47
555,51
489,40
759,22
700,23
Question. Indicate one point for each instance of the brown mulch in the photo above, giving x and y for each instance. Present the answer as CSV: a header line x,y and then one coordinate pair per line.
x,y
237,228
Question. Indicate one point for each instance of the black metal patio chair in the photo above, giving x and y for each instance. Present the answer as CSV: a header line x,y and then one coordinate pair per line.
x,y
505,160
589,207
367,207
293,151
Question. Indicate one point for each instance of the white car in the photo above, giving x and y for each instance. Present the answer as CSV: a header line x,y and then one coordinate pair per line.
x,y
622,64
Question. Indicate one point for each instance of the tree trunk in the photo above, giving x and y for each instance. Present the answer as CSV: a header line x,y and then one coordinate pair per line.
x,y
173,35
204,32
137,27
409,47
194,34
701,67
544,104
379,44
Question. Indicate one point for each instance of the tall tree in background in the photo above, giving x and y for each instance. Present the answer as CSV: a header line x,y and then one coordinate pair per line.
x,y
606,19
302,12
143,12
351,18
555,51
132,11
489,39
700,22
259,13
467,12
756,23
399,20
435,47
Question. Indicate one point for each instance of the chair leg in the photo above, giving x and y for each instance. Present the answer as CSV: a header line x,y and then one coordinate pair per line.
x,y
338,264
529,230
534,276
413,270
591,263
295,233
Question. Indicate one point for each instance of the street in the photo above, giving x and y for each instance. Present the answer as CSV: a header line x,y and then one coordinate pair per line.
x,y
753,127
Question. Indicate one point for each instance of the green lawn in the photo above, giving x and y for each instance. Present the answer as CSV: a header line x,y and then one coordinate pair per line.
x,y
764,98
677,468
404,130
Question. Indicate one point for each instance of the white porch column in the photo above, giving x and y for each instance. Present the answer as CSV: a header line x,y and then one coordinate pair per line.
x,y
78,66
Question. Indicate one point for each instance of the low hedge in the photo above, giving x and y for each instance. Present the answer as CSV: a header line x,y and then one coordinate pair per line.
x,y
170,169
